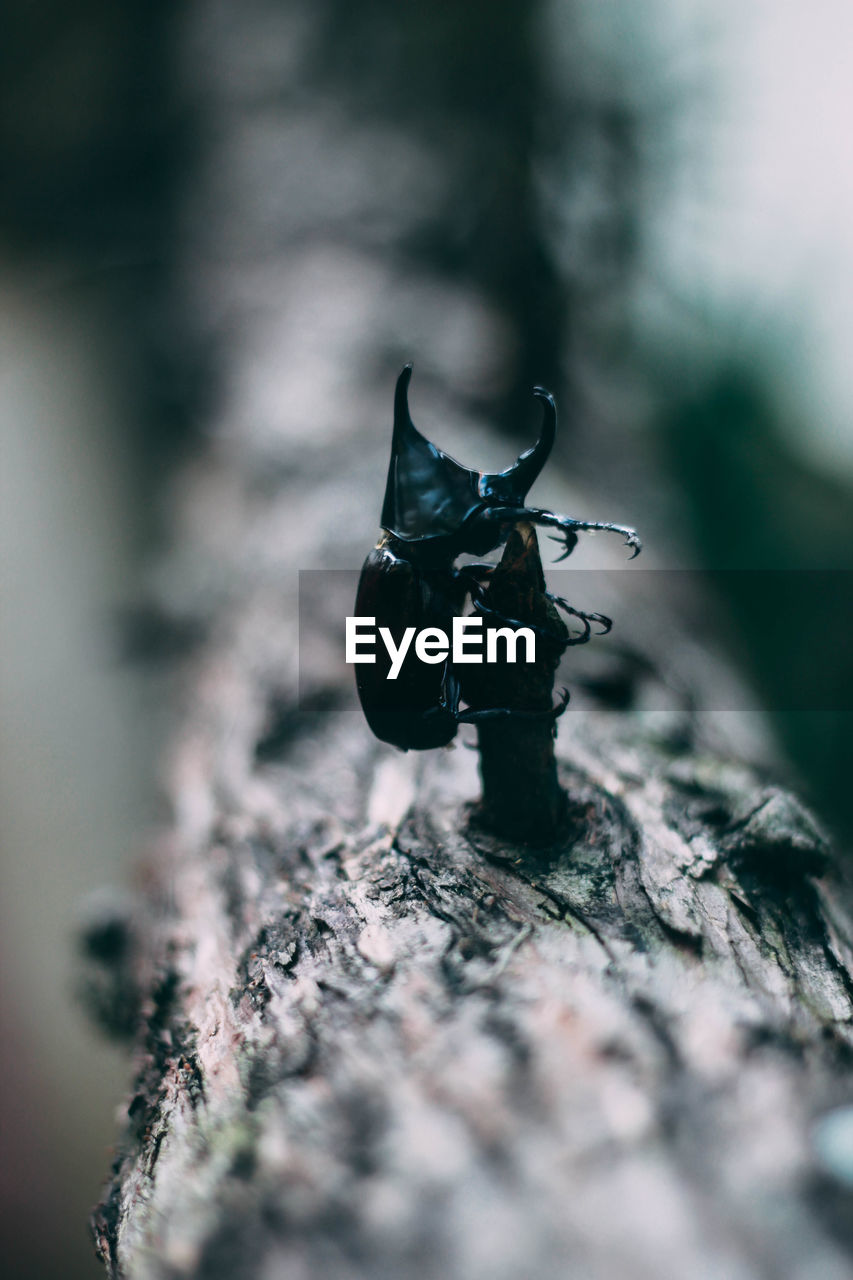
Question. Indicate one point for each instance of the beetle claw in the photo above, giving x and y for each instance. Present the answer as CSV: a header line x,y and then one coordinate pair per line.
x,y
557,711
476,715
486,610
567,549
569,537
587,619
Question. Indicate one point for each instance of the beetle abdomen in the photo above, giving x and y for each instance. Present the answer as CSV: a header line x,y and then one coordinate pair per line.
x,y
415,711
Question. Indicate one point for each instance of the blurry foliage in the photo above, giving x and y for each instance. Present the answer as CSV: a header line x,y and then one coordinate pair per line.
x,y
471,82
466,80
754,505
784,535
95,135
88,137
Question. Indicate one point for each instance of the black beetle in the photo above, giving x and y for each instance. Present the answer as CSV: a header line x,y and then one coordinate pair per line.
x,y
434,511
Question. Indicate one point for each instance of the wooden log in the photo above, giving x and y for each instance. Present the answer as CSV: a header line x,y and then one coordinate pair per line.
x,y
376,1041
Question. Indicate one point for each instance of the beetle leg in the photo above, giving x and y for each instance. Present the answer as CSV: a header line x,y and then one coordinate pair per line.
x,y
588,618
482,607
476,593
567,526
569,541
505,713
448,701
474,576
479,569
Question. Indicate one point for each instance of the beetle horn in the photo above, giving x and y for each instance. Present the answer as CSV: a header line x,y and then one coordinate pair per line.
x,y
428,493
403,424
528,466
511,486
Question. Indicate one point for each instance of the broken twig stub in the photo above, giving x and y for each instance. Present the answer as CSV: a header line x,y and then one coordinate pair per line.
x,y
522,798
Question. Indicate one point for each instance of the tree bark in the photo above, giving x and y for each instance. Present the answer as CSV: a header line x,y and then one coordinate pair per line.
x,y
376,1041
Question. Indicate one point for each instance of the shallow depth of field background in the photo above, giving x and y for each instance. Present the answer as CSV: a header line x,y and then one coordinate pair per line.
x,y
652,202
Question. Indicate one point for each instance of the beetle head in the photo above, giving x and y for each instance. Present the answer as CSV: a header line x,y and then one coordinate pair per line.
x,y
431,495
510,488
428,493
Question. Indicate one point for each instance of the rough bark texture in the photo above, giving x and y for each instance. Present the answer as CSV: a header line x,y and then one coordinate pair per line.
x,y
375,1041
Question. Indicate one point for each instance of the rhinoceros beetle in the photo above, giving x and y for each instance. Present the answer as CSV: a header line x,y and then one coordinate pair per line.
x,y
435,511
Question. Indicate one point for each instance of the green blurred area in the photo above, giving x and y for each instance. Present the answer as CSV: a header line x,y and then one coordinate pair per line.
x,y
753,505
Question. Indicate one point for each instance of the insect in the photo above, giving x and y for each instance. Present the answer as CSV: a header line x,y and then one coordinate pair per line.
x,y
434,511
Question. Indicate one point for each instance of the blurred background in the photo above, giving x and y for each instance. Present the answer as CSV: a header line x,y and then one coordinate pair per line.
x,y
217,217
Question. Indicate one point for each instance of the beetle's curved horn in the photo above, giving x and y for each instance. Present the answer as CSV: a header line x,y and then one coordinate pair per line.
x,y
530,463
511,486
428,493
403,424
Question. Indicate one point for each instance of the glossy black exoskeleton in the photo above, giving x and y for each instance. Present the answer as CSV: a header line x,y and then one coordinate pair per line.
x,y
435,511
